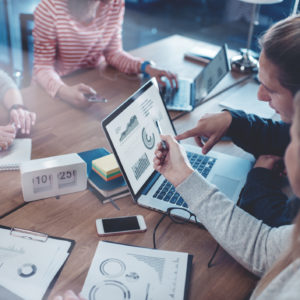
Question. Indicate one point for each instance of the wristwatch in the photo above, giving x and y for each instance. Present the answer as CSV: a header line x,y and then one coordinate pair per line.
x,y
144,65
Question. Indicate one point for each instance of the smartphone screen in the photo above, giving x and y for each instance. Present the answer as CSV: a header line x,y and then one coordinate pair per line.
x,y
120,224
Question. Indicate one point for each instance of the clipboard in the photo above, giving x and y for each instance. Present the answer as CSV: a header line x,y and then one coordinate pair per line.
x,y
18,239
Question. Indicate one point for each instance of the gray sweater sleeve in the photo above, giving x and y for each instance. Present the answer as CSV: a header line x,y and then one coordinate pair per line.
x,y
6,83
253,244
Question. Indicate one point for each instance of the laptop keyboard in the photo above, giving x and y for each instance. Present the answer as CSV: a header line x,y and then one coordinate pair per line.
x,y
166,191
176,97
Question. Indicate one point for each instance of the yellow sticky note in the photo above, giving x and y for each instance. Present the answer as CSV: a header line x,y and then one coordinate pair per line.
x,y
106,165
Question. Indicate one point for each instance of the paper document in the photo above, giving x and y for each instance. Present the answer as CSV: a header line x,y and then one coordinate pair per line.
x,y
127,272
27,267
18,152
245,98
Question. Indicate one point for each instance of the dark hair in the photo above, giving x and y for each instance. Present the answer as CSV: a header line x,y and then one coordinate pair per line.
x,y
281,45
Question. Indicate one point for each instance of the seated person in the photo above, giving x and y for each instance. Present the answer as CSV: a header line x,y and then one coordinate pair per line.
x,y
75,34
279,74
21,119
272,253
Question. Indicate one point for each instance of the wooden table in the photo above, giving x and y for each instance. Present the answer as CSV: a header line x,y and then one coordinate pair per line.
x,y
62,129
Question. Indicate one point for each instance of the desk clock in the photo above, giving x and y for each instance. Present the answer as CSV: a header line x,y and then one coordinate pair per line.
x,y
53,176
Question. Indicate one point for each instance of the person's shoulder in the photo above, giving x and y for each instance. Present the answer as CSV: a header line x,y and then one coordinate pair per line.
x,y
52,5
118,3
51,8
118,6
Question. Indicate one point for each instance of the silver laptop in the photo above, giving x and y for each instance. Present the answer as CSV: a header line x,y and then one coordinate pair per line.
x,y
192,93
133,136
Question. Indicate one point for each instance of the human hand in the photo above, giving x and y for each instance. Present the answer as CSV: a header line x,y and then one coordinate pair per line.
x,y
7,136
75,94
172,162
68,295
158,74
270,162
211,126
23,119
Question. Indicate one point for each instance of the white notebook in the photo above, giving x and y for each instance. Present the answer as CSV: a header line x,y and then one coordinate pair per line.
x,y
17,153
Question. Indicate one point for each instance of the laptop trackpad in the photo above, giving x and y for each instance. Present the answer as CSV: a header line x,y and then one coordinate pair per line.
x,y
226,185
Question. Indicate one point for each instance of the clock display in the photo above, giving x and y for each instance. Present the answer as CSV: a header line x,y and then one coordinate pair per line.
x,y
42,183
66,178
53,176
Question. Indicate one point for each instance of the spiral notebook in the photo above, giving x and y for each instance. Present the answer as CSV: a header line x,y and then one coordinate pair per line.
x,y
17,153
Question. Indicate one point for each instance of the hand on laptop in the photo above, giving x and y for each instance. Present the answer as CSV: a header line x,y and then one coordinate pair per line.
x,y
211,126
172,162
75,94
158,74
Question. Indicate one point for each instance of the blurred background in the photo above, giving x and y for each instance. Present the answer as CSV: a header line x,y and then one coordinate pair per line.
x,y
214,21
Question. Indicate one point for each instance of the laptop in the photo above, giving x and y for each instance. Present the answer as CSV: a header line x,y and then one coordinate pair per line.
x,y
191,93
133,136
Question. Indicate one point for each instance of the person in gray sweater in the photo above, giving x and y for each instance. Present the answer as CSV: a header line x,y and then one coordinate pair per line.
x,y
20,117
271,253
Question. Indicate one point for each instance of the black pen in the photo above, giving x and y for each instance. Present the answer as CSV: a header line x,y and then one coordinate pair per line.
x,y
163,143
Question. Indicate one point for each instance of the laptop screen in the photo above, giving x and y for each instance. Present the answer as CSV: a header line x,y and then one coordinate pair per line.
x,y
212,74
133,135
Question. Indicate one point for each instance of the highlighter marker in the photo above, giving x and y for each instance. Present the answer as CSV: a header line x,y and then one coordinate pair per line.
x,y
163,143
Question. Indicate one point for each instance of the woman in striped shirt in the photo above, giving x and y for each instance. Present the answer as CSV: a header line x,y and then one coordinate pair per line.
x,y
75,34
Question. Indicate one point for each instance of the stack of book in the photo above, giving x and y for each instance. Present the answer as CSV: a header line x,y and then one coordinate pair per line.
x,y
106,190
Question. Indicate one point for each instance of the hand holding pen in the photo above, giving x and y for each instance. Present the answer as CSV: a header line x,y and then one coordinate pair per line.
x,y
163,143
172,162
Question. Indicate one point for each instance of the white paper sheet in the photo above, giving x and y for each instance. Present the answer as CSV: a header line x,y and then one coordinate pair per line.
x,y
27,266
246,99
127,272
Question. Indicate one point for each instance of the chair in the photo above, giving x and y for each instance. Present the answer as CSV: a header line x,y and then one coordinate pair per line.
x,y
26,24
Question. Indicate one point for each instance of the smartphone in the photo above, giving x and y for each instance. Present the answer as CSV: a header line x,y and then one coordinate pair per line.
x,y
121,225
95,98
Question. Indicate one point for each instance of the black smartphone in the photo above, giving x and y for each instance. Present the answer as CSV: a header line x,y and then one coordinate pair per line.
x,y
121,225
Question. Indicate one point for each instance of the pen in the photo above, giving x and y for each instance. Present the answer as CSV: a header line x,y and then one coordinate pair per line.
x,y
163,143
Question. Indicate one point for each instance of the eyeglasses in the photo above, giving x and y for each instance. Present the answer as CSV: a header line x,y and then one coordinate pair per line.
x,y
178,215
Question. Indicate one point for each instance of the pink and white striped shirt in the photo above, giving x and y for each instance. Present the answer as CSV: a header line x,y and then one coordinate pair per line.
x,y
63,45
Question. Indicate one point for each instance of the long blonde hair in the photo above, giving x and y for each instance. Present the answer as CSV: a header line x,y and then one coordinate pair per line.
x,y
294,252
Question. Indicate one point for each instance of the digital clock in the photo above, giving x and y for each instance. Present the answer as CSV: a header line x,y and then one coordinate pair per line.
x,y
53,176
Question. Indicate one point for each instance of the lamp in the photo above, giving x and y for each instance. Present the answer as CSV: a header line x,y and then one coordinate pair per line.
x,y
244,62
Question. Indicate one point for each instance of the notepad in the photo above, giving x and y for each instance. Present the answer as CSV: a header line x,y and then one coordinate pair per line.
x,y
17,153
106,167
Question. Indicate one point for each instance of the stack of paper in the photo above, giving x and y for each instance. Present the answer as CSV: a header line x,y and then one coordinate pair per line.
x,y
106,167
28,266
17,153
